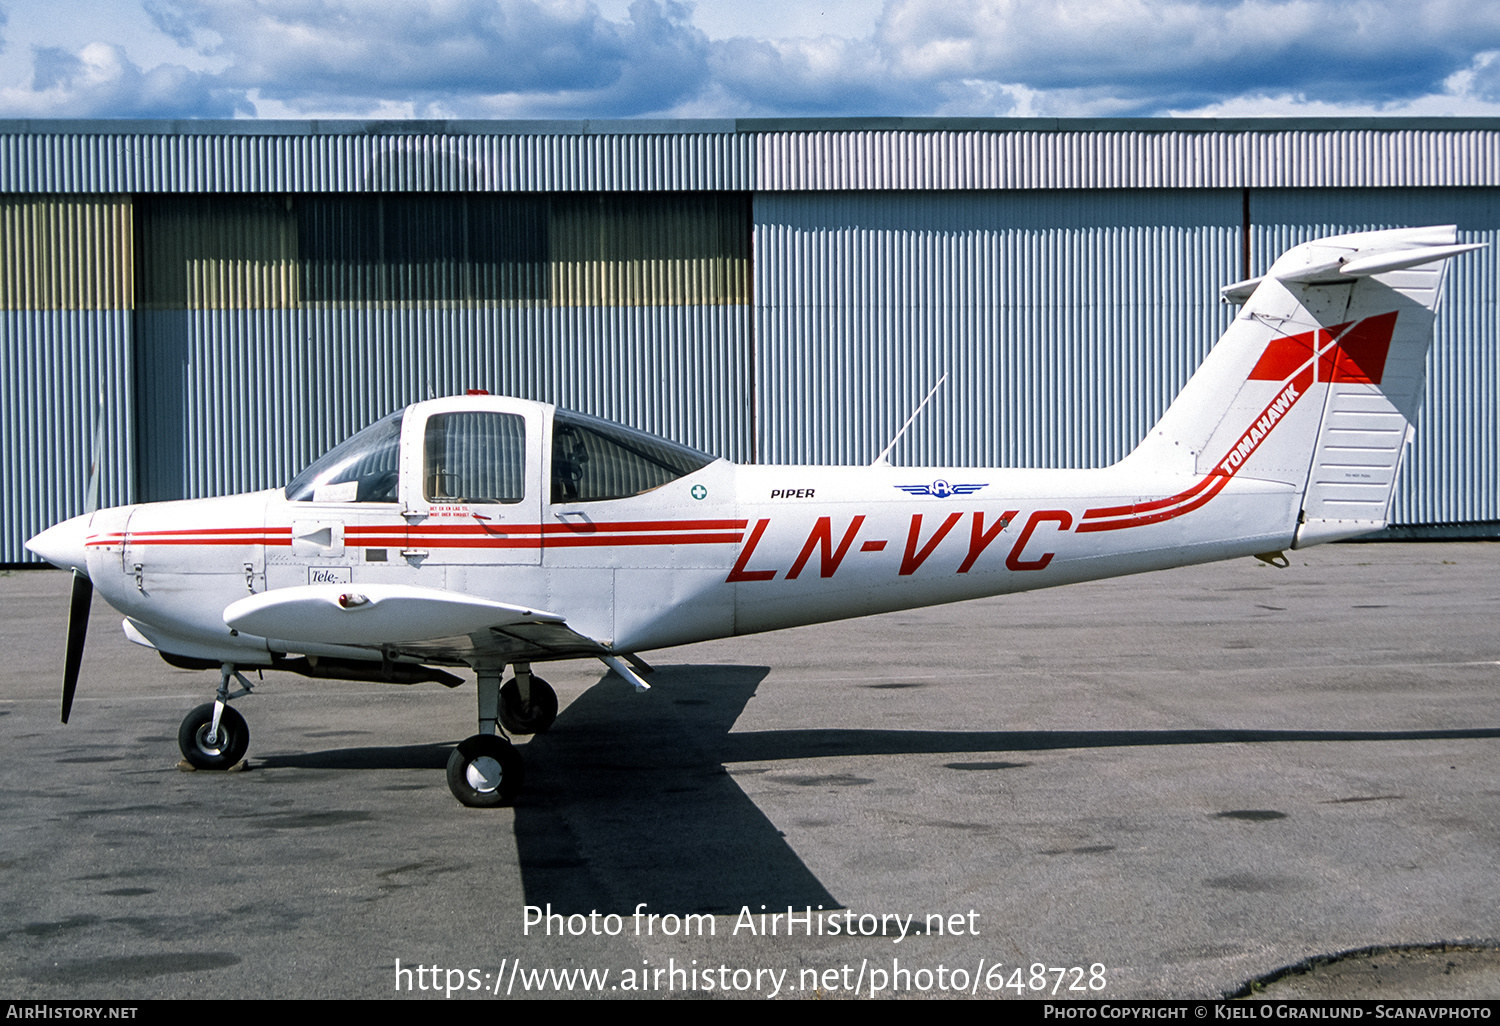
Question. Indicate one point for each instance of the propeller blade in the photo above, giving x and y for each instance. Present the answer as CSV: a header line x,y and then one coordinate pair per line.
x,y
83,588
78,627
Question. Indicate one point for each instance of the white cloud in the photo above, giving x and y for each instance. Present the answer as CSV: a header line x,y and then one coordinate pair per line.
x,y
826,75
1481,78
570,58
469,56
99,80
1156,55
1119,57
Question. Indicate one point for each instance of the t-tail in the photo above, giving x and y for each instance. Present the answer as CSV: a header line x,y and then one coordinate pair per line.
x,y
1315,385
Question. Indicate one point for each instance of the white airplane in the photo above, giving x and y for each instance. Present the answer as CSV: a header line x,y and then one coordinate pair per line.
x,y
489,532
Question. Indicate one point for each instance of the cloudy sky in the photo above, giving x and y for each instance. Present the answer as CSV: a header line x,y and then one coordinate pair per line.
x,y
652,58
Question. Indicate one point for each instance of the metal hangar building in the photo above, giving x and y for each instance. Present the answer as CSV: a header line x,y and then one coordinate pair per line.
x,y
245,294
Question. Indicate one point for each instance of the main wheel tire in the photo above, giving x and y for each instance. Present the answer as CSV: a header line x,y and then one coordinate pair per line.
x,y
485,771
228,747
529,718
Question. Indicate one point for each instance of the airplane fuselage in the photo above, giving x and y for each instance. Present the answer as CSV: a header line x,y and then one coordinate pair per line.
x,y
727,550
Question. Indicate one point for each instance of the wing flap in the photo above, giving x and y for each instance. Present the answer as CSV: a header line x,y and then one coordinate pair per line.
x,y
527,642
373,614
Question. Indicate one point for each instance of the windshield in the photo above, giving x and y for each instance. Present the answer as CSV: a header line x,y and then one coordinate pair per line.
x,y
362,468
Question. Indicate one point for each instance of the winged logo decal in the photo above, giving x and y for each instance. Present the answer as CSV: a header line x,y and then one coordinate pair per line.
x,y
941,489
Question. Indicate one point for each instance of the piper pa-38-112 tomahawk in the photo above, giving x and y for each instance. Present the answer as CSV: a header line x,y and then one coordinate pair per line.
x,y
489,532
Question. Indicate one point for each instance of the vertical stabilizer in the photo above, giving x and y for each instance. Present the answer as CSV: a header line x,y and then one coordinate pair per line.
x,y
1318,381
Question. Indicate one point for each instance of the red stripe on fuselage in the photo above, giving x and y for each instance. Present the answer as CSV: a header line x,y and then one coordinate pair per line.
x,y
219,536
462,535
472,525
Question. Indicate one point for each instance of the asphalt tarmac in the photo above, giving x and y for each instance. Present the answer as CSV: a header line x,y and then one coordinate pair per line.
x,y
1161,786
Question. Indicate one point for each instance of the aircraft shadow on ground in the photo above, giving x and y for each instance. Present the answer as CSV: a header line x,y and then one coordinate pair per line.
x,y
628,800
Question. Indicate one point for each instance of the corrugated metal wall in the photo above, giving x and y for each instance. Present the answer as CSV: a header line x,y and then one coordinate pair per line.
x,y
65,253
242,252
281,159
216,253
65,345
237,400
1066,321
423,248
750,155
1452,473
269,328
1104,158
674,250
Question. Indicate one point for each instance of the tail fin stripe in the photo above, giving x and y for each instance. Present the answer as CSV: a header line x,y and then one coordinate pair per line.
x,y
1214,482
1141,507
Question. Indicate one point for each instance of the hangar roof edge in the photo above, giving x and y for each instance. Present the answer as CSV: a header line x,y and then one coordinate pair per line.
x,y
720,126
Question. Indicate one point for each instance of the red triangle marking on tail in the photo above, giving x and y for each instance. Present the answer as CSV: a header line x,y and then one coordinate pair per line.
x,y
1358,356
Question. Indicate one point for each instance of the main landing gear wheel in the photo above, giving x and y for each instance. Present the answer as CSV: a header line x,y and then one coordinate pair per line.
x,y
227,748
485,771
532,717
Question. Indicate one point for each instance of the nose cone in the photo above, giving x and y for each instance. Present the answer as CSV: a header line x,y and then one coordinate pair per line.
x,y
62,545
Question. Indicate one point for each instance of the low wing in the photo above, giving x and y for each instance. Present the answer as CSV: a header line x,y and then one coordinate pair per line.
x,y
373,614
424,623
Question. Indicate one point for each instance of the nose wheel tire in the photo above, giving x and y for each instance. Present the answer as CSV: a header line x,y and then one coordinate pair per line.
x,y
485,771
532,717
228,746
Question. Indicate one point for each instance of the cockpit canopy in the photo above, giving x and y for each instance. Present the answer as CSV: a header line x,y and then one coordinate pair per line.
x,y
595,459
480,457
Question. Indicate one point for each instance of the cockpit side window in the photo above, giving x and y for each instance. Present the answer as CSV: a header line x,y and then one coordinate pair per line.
x,y
595,459
475,457
362,468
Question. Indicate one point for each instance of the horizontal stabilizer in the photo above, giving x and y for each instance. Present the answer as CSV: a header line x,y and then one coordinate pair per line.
x,y
372,614
1361,265
1380,263
1345,258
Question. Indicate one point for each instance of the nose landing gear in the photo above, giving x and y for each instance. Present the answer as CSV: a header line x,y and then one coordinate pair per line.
x,y
214,736
209,748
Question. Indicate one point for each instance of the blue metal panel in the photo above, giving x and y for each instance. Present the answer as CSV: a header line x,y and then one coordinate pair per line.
x,y
55,366
289,160
1065,321
65,344
235,400
1168,154
567,157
